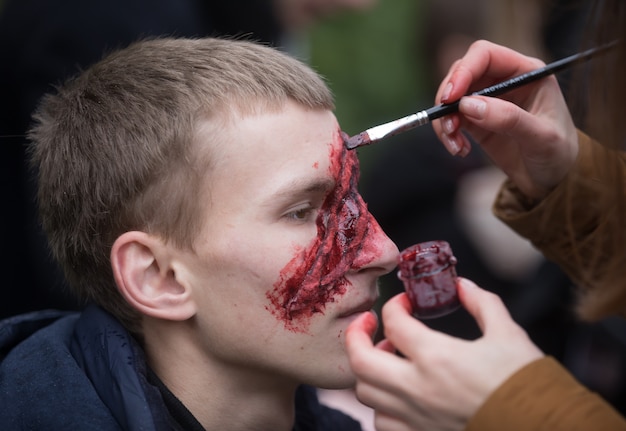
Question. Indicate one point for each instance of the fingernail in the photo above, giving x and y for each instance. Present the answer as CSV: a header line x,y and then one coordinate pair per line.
x,y
464,151
453,147
448,125
473,107
467,284
446,92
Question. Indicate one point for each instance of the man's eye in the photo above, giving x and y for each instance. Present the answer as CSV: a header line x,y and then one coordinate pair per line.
x,y
301,214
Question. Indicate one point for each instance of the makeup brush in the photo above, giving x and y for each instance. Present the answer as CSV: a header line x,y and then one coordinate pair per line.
x,y
424,117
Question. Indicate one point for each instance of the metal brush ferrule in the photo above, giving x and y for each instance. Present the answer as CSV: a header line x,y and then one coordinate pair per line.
x,y
398,126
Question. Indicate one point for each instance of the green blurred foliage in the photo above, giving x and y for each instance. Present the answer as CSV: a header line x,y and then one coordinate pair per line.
x,y
371,62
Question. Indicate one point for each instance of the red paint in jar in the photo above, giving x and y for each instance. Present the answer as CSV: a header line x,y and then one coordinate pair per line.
x,y
429,275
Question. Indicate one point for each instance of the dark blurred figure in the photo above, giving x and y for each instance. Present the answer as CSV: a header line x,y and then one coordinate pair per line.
x,y
418,192
43,42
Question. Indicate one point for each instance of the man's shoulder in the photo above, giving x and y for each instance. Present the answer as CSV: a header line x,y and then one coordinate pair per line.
x,y
311,415
28,331
41,385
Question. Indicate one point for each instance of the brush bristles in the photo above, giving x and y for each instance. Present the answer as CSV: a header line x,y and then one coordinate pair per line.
x,y
357,140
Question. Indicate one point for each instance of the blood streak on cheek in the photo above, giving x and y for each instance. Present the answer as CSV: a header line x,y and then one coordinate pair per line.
x,y
316,276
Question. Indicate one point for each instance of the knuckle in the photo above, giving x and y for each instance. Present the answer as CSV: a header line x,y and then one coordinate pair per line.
x,y
510,116
480,44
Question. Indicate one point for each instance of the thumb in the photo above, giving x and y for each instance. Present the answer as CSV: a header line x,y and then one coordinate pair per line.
x,y
486,307
501,116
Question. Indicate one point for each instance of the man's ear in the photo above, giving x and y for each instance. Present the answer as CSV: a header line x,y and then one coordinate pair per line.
x,y
145,275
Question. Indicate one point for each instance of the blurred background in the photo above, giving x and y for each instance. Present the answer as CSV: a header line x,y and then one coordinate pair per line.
x,y
383,60
372,61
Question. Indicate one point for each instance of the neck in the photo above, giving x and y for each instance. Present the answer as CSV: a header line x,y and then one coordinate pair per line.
x,y
220,394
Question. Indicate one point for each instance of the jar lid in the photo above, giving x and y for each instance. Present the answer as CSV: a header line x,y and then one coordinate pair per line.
x,y
425,258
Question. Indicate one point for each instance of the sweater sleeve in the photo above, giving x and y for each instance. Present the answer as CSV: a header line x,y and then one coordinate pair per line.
x,y
544,396
557,222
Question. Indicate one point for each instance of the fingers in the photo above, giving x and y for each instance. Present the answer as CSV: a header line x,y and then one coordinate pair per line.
x,y
500,116
484,64
483,115
456,143
362,329
535,144
386,346
448,131
384,422
405,332
365,360
486,307
391,411
488,116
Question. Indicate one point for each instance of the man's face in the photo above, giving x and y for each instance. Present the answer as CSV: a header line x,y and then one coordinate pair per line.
x,y
288,255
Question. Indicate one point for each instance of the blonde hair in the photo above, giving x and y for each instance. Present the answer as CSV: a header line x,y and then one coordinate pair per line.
x,y
113,148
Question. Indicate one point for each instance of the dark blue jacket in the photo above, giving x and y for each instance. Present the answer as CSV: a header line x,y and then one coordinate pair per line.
x,y
71,371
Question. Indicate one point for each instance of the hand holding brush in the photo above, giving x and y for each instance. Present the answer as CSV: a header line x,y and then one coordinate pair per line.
x,y
530,136
426,116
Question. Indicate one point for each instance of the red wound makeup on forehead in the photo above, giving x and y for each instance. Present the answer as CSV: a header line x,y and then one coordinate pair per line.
x,y
317,276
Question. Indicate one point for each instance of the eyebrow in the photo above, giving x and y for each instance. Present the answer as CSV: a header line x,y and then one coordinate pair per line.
x,y
304,186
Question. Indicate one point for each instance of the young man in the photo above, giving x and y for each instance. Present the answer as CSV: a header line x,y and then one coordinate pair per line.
x,y
199,196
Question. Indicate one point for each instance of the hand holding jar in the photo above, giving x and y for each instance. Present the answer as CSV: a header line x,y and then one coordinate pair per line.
x,y
438,382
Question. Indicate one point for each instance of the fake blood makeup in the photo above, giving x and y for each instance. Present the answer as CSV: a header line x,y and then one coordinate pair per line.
x,y
429,275
316,277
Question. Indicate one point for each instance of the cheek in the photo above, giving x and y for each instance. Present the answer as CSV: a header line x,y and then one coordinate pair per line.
x,y
243,260
296,294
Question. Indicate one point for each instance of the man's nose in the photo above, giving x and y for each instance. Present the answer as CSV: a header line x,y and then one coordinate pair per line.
x,y
379,252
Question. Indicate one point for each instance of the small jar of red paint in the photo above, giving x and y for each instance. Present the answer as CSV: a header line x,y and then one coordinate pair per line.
x,y
429,275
